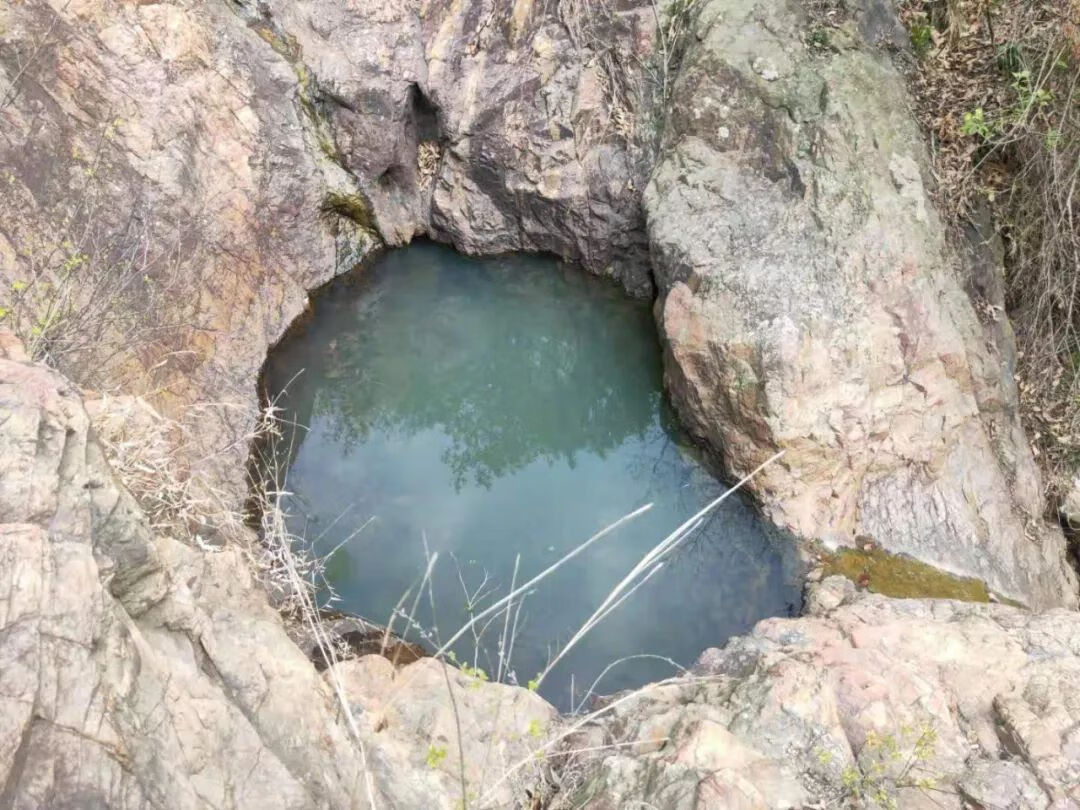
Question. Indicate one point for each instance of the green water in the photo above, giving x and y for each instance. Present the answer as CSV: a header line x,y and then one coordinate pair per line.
x,y
502,407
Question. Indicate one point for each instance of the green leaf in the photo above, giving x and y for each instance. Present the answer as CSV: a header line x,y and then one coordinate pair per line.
x,y
435,756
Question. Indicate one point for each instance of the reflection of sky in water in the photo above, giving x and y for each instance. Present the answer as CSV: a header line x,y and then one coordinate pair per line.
x,y
500,407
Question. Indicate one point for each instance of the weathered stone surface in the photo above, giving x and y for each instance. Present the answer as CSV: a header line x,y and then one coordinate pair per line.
x,y
159,171
229,157
140,671
529,107
811,302
221,159
451,726
786,716
137,671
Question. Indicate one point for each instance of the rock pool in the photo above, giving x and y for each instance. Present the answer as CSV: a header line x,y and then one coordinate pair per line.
x,y
511,406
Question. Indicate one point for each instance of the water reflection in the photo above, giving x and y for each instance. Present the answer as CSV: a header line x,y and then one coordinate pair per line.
x,y
540,375
503,407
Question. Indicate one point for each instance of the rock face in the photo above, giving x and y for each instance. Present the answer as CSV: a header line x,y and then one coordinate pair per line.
x,y
177,175
186,171
810,302
900,703
120,687
162,176
495,126
468,736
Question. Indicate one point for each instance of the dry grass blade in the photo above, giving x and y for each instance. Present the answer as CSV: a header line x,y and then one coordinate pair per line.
x,y
650,563
603,673
505,648
299,574
501,603
581,722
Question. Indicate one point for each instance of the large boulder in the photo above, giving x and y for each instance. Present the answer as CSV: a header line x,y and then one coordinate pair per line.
x,y
895,703
479,742
811,302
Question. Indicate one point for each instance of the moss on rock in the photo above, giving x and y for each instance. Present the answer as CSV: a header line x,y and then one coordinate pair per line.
x,y
903,577
353,206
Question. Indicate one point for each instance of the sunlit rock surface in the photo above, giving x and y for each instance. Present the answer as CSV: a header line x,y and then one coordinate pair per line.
x,y
233,156
919,703
811,303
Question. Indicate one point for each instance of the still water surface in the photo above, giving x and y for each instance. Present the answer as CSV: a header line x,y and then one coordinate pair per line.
x,y
501,407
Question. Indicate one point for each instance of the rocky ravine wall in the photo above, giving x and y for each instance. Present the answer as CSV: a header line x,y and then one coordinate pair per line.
x,y
247,152
808,297
134,668
808,300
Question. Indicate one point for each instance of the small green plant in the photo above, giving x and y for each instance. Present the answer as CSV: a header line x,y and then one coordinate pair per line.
x,y
74,261
976,123
535,729
889,763
477,675
818,38
435,756
1010,57
922,38
1027,96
